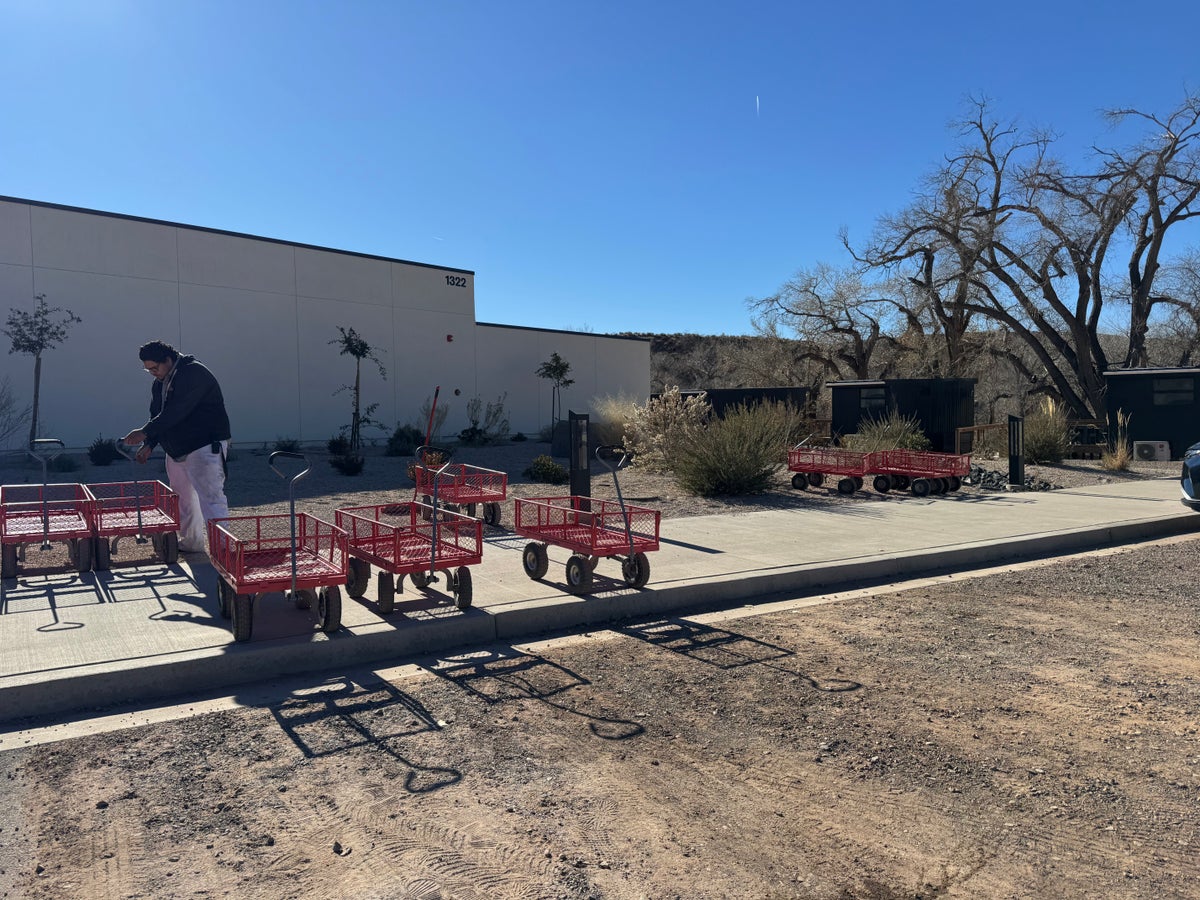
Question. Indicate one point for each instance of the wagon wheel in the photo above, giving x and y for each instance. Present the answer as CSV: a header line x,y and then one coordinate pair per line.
x,y
636,570
882,483
901,482
579,573
8,565
955,482
937,485
535,560
386,591
425,513
800,481
420,580
169,550
73,552
451,580
847,486
224,598
463,593
470,509
329,608
156,542
491,513
243,617
816,479
358,577
920,487
858,482
102,554
304,598
83,554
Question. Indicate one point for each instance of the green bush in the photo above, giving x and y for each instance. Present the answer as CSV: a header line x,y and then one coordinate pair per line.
x,y
404,441
892,432
489,423
339,445
518,437
287,445
103,452
1047,433
545,470
740,453
348,464
63,463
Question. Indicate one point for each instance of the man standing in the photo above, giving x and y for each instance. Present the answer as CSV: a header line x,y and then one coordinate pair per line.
x,y
188,418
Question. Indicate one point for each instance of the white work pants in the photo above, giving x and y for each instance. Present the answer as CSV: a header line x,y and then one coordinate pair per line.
x,y
199,480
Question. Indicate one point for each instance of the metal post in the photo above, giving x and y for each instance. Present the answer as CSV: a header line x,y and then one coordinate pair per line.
x,y
1016,450
581,467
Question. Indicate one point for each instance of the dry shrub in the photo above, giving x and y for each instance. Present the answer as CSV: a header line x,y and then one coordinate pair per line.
x,y
740,453
658,429
606,424
892,432
1047,433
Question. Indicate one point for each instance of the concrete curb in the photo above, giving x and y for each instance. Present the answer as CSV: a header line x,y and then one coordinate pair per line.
x,y
201,671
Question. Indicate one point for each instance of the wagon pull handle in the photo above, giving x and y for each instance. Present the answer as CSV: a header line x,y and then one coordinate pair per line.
x,y
288,454
603,453
44,450
130,452
423,452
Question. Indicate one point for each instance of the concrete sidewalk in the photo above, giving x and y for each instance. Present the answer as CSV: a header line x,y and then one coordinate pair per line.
x,y
70,643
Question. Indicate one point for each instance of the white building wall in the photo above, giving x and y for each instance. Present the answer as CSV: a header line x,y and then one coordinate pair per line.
x,y
264,316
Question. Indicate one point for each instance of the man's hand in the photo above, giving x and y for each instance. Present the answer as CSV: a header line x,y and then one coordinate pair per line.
x,y
143,453
135,437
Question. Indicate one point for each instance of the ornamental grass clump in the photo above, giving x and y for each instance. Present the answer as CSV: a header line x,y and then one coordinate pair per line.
x,y
1047,433
1119,454
740,453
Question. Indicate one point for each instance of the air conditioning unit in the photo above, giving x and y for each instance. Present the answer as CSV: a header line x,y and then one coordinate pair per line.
x,y
1151,450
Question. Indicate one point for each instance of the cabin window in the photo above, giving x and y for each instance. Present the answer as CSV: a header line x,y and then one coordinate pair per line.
x,y
1174,391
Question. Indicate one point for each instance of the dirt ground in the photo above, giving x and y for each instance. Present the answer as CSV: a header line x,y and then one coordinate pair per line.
x,y
1030,732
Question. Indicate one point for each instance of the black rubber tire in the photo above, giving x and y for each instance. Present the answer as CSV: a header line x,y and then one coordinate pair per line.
x,y
224,598
882,483
800,481
492,514
420,580
847,486
955,483
83,554
358,577
386,592
816,479
329,608
579,574
243,617
901,482
937,485
170,548
8,561
463,589
471,509
101,554
636,570
858,482
920,487
305,598
535,560
426,514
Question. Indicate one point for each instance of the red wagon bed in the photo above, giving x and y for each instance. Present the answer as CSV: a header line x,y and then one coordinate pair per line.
x,y
464,487
812,464
125,508
922,471
38,513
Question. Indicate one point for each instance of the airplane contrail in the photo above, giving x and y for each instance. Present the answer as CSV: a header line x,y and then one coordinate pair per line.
x,y
756,110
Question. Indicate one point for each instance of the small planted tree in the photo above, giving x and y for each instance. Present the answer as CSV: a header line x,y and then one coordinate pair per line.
x,y
555,370
352,344
33,333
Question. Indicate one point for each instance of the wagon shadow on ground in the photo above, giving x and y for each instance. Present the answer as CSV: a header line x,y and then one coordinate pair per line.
x,y
342,715
724,649
506,675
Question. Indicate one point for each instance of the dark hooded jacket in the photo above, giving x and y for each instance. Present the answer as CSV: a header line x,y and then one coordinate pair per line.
x,y
191,415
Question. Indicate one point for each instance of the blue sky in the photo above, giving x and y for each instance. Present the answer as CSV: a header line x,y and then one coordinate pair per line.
x,y
617,166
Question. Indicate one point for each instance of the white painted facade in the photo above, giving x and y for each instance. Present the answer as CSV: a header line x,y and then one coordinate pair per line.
x,y
262,315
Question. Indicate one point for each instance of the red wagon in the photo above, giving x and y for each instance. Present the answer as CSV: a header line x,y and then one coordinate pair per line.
x,y
408,539
45,514
924,472
812,464
299,554
463,488
141,509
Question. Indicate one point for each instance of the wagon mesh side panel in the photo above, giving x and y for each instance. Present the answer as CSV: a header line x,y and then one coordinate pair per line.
x,y
256,552
460,484
919,463
56,511
119,503
827,461
400,537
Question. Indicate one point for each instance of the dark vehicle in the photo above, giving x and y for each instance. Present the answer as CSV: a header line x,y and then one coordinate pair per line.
x,y
1189,478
